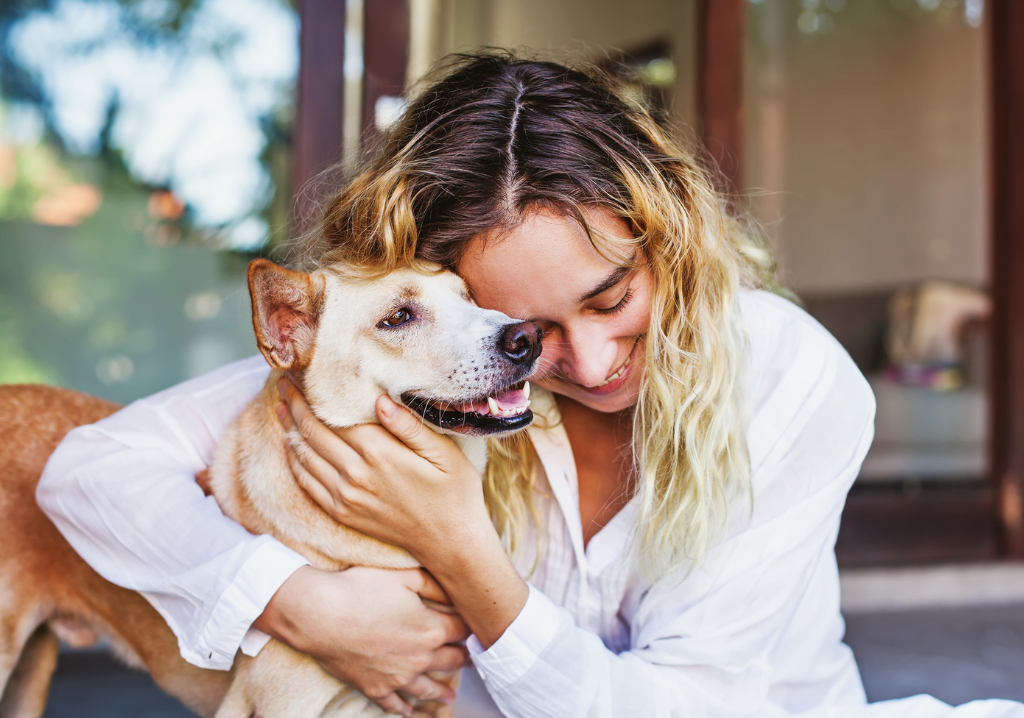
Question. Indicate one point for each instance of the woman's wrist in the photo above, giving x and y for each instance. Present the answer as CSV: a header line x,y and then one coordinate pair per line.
x,y
278,619
481,581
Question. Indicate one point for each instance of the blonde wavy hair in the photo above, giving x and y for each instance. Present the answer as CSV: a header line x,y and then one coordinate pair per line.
x,y
493,136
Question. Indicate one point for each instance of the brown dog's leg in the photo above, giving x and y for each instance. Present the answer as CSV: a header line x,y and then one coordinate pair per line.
x,y
29,684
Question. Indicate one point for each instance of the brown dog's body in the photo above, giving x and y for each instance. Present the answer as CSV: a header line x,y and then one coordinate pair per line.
x,y
47,590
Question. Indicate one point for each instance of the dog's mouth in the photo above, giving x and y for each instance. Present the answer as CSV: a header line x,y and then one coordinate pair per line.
x,y
504,412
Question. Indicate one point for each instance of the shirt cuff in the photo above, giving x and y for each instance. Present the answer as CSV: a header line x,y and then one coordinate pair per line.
x,y
520,645
253,642
241,603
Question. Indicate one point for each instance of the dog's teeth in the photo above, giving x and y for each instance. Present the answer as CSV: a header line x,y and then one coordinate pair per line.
x,y
526,390
527,405
493,406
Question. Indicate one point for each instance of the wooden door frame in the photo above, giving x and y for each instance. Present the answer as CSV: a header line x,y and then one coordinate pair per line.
x,y
318,138
1006,163
721,109
386,34
319,102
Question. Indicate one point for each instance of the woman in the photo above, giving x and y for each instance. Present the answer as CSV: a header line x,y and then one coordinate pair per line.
x,y
660,544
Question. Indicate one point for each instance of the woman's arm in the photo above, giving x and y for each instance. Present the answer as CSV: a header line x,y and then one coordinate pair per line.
x,y
123,493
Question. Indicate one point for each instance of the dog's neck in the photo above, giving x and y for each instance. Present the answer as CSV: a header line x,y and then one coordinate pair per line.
x,y
475,449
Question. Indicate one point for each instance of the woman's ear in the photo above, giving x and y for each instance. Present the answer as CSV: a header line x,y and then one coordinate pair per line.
x,y
285,314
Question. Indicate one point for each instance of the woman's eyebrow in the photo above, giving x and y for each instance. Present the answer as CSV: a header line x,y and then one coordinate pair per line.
x,y
616,276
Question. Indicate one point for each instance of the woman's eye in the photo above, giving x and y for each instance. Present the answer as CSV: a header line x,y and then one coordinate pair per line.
x,y
619,306
396,318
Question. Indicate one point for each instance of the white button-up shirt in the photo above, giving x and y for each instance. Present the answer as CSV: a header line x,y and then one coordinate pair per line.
x,y
752,629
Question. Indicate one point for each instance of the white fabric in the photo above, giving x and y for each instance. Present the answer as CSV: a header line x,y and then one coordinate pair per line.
x,y
753,630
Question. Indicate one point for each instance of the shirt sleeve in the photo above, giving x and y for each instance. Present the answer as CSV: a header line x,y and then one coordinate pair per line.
x,y
123,493
754,627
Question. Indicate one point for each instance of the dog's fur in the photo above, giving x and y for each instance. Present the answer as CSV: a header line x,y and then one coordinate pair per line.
x,y
330,335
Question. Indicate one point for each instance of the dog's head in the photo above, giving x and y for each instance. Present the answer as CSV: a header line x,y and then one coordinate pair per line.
x,y
415,336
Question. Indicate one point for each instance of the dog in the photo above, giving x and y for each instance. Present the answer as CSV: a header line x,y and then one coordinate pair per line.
x,y
414,334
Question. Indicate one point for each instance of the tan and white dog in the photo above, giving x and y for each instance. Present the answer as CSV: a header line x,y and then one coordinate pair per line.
x,y
414,335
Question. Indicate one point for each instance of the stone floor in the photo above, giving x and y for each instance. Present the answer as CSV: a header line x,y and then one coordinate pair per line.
x,y
956,654
92,684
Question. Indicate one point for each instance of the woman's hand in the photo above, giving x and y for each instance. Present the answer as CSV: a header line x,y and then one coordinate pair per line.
x,y
407,485
369,628
401,483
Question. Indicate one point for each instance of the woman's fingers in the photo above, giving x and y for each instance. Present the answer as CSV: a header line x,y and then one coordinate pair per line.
x,y
411,431
393,704
426,688
320,438
450,658
315,487
427,587
454,629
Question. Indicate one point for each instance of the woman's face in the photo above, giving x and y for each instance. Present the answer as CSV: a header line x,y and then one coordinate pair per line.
x,y
594,313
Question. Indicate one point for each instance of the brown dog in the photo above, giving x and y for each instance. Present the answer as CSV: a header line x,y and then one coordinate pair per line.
x,y
413,335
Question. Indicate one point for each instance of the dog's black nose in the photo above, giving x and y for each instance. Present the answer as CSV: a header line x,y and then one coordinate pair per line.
x,y
520,343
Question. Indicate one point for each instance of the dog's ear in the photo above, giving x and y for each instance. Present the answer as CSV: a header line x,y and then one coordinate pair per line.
x,y
285,313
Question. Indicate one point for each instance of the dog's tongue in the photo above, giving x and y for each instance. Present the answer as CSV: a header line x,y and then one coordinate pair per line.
x,y
509,403
512,400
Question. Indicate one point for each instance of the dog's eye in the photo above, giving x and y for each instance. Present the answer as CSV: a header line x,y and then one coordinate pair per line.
x,y
396,318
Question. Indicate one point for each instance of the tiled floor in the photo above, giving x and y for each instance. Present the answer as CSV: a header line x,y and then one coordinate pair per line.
x,y
956,654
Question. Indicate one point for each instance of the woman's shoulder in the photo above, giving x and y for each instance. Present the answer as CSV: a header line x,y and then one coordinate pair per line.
x,y
795,373
772,323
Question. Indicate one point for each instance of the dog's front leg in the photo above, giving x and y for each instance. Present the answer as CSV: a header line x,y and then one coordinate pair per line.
x,y
283,683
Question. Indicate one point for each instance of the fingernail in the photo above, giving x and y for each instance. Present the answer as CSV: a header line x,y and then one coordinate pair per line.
x,y
387,407
281,387
282,412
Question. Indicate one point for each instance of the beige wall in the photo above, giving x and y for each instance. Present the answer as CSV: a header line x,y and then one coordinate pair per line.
x,y
581,28
869,144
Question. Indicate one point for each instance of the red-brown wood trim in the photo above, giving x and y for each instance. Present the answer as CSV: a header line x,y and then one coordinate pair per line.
x,y
1006,29
721,37
320,111
934,525
385,59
